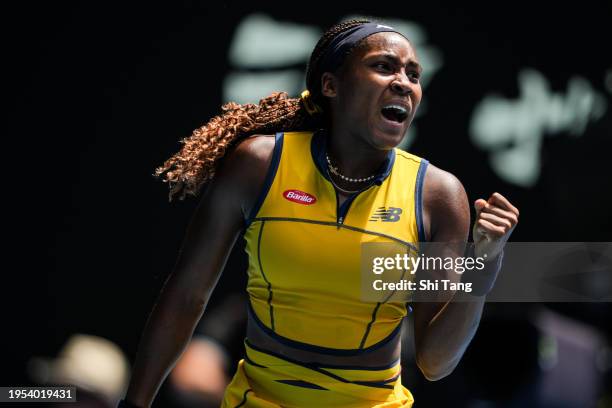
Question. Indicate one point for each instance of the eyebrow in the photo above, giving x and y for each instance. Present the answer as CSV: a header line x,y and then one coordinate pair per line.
x,y
396,60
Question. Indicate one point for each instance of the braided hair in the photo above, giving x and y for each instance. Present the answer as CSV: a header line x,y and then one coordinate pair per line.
x,y
195,164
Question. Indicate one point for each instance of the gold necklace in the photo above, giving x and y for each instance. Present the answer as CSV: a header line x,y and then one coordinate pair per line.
x,y
346,191
335,171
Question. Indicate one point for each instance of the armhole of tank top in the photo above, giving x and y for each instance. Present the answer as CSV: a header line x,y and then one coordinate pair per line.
x,y
418,209
270,175
418,199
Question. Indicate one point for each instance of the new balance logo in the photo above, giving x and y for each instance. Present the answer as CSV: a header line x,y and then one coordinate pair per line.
x,y
391,214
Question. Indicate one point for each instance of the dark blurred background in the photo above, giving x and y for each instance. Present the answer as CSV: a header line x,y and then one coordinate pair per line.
x,y
518,100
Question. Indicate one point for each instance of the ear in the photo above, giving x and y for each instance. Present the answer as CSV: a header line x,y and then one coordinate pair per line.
x,y
329,85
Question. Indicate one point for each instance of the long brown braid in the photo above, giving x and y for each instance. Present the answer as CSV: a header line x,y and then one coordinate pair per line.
x,y
195,163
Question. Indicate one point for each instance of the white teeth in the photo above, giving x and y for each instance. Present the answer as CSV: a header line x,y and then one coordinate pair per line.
x,y
398,107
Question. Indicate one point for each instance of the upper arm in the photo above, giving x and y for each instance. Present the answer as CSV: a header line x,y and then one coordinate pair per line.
x,y
445,207
446,215
219,218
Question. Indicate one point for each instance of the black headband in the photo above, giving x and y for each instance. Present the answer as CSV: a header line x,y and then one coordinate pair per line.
x,y
345,41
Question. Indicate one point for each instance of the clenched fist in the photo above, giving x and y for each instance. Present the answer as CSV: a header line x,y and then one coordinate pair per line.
x,y
495,221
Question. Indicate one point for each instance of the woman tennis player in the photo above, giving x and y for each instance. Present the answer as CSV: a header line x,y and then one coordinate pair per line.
x,y
308,181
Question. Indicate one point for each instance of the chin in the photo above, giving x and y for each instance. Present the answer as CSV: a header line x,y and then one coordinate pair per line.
x,y
384,139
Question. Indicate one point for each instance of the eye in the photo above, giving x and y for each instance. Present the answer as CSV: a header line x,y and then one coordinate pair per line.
x,y
383,66
414,76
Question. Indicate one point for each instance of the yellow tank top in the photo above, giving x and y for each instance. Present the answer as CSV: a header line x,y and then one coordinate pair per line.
x,y
304,278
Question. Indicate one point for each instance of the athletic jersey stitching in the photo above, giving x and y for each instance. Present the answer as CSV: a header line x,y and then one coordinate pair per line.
x,y
244,398
369,326
408,156
320,349
322,371
264,275
335,224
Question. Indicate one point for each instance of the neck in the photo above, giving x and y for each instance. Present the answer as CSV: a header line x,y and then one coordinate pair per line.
x,y
353,156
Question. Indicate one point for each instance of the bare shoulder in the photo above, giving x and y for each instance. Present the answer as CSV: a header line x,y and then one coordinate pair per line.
x,y
249,157
441,185
445,204
245,166
256,148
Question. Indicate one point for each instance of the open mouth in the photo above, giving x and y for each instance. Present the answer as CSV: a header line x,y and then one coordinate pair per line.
x,y
395,113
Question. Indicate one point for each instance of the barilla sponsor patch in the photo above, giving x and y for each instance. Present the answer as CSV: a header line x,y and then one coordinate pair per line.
x,y
299,197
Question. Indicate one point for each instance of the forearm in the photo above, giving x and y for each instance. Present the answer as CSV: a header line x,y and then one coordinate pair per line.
x,y
447,336
443,327
450,331
166,335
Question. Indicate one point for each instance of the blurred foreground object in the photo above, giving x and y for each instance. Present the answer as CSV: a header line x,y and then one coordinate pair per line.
x,y
92,364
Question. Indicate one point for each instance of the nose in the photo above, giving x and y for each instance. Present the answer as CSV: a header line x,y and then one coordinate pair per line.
x,y
401,85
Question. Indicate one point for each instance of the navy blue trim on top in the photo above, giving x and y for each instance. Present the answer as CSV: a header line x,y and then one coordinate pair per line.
x,y
349,227
251,362
302,384
318,148
270,307
317,364
343,209
315,367
318,349
276,156
378,383
367,332
374,313
244,398
418,199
